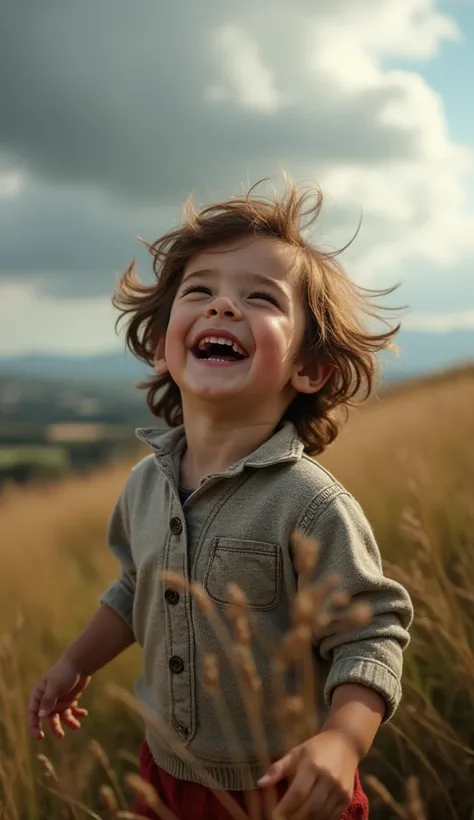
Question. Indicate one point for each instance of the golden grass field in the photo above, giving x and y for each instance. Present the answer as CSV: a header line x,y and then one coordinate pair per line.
x,y
409,459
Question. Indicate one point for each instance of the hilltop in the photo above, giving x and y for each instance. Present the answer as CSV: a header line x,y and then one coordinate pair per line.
x,y
408,457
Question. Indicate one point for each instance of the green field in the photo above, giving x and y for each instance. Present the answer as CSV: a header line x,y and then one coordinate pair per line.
x,y
45,455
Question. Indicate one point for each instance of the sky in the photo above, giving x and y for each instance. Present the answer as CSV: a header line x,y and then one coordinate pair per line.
x,y
112,112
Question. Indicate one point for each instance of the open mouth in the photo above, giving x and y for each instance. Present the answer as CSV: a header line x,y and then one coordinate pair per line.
x,y
218,349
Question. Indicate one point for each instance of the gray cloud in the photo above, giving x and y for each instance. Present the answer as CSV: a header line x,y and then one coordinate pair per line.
x,y
104,105
71,242
113,94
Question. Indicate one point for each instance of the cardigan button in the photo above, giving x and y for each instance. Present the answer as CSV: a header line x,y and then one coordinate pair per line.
x,y
176,665
172,596
176,526
180,729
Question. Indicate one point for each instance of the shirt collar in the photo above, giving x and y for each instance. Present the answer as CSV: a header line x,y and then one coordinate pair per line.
x,y
284,445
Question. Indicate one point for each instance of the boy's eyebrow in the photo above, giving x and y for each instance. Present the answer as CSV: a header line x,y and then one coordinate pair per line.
x,y
267,281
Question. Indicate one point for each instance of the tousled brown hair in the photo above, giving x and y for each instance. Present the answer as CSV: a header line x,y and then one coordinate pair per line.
x,y
337,309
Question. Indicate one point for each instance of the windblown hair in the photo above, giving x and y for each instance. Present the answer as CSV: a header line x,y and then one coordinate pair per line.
x,y
338,311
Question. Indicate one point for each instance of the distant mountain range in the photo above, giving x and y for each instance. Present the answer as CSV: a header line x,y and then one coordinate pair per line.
x,y
420,353
108,367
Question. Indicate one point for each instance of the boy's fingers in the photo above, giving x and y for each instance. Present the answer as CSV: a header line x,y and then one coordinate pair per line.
x,y
79,712
36,731
297,794
34,723
69,720
45,707
48,701
53,724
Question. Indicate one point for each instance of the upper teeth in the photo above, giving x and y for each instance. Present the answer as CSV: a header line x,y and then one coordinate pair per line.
x,y
220,340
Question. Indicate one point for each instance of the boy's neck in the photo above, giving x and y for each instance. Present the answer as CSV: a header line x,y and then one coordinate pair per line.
x,y
214,443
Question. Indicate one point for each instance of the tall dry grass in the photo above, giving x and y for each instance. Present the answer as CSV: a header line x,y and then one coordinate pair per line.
x,y
409,459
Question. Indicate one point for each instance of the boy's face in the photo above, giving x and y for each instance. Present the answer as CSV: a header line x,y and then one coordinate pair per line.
x,y
236,326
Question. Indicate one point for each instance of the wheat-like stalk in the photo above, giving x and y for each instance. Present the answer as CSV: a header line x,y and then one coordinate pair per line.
x,y
383,793
6,793
412,810
73,804
251,685
109,799
239,656
161,727
150,797
415,806
49,773
228,729
48,767
98,752
316,607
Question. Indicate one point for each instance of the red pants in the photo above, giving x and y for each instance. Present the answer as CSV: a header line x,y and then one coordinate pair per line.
x,y
191,801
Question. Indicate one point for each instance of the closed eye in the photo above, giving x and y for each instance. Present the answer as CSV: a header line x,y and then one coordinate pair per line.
x,y
268,297
196,289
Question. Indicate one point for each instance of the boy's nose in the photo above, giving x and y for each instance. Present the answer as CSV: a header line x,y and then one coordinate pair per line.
x,y
223,306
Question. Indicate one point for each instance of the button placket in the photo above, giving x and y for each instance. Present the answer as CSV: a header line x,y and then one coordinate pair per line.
x,y
179,662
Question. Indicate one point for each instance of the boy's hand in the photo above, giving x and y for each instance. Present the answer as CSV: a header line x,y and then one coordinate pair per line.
x,y
54,700
322,771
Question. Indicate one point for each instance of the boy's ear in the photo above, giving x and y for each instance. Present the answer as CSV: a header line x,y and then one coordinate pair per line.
x,y
311,378
159,361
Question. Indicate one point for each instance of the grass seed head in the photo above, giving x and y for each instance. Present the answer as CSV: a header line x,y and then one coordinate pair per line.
x,y
341,599
211,673
305,552
109,798
358,615
323,591
293,706
239,603
243,634
303,607
246,664
200,595
99,753
293,644
144,790
175,581
415,805
47,766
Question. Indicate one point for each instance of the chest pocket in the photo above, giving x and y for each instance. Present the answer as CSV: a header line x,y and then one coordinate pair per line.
x,y
255,566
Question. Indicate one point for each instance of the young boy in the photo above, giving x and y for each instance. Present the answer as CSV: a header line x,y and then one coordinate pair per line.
x,y
258,341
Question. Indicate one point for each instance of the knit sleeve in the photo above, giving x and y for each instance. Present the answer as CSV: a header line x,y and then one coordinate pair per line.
x,y
120,594
370,655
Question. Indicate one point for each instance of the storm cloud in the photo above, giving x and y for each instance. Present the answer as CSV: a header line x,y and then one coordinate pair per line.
x,y
112,112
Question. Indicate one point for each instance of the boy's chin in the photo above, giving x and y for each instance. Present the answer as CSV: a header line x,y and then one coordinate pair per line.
x,y
200,390
215,394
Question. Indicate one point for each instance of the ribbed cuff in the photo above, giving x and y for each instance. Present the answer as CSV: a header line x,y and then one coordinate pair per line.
x,y
366,672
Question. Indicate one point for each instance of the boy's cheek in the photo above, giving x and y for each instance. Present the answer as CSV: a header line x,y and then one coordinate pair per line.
x,y
275,350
